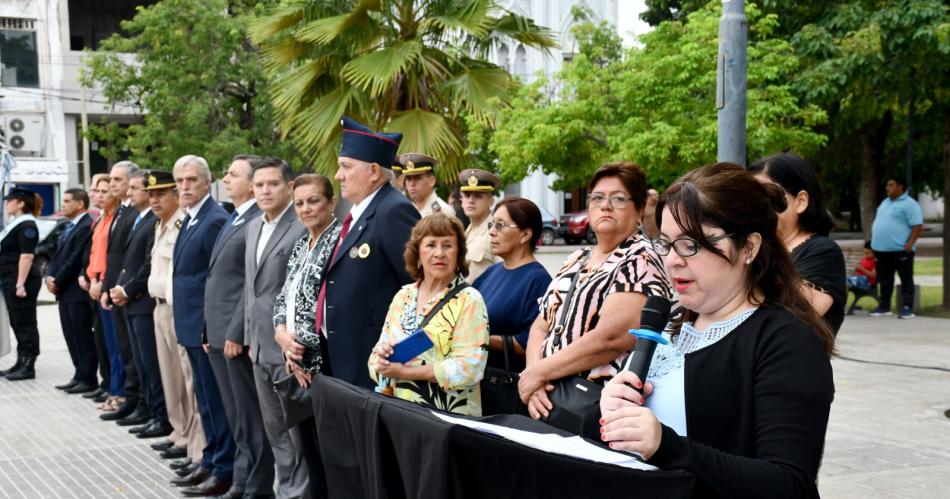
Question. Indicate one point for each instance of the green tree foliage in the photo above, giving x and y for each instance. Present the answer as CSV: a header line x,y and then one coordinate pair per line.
x,y
194,78
412,66
653,104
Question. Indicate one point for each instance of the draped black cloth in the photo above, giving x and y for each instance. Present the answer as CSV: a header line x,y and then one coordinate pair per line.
x,y
379,447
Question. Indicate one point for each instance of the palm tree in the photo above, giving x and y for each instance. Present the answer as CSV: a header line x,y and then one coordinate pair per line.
x,y
414,66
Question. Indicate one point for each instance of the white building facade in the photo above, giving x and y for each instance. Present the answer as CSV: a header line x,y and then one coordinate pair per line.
x,y
526,63
41,100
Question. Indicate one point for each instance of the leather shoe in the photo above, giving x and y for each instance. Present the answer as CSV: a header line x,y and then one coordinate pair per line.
x,y
138,416
101,398
232,493
213,486
180,463
174,453
187,470
161,446
97,393
139,429
80,388
120,413
156,430
194,478
67,386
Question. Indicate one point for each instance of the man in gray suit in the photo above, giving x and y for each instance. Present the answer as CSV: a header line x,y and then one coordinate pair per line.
x,y
270,239
226,342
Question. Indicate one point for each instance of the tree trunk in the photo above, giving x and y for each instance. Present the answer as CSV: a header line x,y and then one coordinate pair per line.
x,y
867,197
946,208
872,140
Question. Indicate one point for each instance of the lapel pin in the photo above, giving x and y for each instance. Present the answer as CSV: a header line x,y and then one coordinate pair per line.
x,y
364,250
353,252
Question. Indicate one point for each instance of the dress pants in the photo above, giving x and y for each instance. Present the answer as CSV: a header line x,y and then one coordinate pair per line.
x,y
102,350
219,452
128,358
22,313
116,371
903,263
76,320
175,369
144,350
253,459
293,479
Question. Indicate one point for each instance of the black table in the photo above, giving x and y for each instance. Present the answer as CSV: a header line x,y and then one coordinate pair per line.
x,y
379,447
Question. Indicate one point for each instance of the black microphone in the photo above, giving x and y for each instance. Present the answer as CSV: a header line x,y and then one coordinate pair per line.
x,y
653,319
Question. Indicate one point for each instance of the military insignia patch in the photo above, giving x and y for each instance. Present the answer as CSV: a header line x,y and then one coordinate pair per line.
x,y
30,233
152,180
472,181
436,207
410,164
178,224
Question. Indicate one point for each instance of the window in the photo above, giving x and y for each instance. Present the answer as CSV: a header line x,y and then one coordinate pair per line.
x,y
19,64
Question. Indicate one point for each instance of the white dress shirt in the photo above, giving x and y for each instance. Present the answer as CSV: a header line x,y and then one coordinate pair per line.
x,y
267,230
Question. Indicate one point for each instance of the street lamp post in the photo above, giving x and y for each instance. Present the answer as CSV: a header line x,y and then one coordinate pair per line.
x,y
731,82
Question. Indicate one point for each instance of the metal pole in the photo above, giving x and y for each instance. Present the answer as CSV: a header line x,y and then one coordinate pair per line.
x,y
731,82
86,174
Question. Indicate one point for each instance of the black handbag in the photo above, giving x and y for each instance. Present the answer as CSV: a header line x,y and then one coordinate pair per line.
x,y
576,399
294,400
499,387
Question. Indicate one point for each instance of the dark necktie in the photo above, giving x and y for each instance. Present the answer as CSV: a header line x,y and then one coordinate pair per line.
x,y
323,286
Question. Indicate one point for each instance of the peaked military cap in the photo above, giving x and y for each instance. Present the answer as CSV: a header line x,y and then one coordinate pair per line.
x,y
157,179
475,180
414,163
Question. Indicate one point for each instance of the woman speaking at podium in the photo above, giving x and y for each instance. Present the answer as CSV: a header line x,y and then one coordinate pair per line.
x,y
741,395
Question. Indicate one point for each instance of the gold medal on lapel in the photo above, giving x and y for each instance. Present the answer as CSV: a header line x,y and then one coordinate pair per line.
x,y
364,250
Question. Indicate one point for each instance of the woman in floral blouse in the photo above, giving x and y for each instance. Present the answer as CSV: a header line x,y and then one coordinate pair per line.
x,y
293,309
446,376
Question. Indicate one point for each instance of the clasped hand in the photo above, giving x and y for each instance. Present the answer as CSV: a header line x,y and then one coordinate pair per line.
x,y
625,424
394,370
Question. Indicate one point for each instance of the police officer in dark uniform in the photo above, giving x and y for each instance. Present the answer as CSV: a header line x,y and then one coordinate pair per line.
x,y
19,280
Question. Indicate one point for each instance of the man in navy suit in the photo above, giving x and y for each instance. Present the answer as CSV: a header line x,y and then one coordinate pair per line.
x,y
367,268
192,255
75,311
131,295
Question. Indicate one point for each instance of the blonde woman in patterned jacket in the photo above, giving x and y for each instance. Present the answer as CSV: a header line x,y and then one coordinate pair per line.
x,y
293,309
445,376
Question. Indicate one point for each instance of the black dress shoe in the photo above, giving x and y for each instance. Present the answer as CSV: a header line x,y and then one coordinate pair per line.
x,y
232,493
80,388
138,416
212,486
101,398
93,394
156,430
178,464
139,429
174,453
194,478
187,470
162,446
67,386
120,413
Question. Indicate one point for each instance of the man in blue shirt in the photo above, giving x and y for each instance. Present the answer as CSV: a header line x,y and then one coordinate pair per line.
x,y
896,228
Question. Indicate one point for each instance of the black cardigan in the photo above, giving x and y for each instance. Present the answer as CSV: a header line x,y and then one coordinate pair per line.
x,y
757,406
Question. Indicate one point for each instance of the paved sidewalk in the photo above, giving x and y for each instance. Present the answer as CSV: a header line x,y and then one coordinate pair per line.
x,y
888,436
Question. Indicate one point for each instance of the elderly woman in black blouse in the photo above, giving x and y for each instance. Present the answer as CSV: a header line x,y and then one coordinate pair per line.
x,y
294,307
741,394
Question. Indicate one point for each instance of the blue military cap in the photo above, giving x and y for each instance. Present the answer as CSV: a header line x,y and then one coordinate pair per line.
x,y
362,143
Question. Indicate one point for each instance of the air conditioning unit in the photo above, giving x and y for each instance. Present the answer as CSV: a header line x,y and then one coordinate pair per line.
x,y
24,134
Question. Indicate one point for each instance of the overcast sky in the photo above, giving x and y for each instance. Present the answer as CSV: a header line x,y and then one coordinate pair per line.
x,y
628,19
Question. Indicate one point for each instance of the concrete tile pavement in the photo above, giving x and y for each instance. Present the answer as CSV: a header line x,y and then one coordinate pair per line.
x,y
887,438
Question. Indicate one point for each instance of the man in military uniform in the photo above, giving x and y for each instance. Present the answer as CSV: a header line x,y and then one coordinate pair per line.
x,y
187,438
478,187
419,173
398,181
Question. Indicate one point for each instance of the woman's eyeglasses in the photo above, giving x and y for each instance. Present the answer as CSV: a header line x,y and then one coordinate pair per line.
x,y
499,226
683,246
598,200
